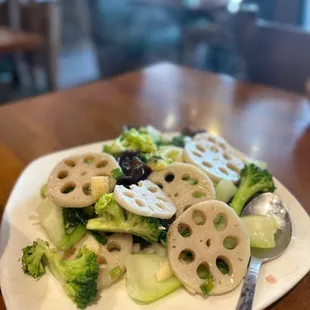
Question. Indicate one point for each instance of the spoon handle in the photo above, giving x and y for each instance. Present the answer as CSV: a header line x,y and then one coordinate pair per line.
x,y
247,294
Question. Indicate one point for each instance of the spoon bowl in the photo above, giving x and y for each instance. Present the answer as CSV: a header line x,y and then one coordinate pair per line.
x,y
268,205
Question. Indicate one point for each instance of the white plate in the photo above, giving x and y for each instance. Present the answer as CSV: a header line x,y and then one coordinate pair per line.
x,y
19,229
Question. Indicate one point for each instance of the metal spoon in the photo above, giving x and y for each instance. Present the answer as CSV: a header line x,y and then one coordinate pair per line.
x,y
265,204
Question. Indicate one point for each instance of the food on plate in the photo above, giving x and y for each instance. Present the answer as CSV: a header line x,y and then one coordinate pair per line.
x,y
254,181
171,153
184,184
53,221
261,230
113,218
133,168
100,185
142,283
193,256
87,241
225,190
78,276
69,183
145,199
43,191
133,140
112,258
214,156
153,207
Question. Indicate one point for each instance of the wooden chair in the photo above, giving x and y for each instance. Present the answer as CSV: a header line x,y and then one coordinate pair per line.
x,y
274,54
218,36
13,41
265,52
39,21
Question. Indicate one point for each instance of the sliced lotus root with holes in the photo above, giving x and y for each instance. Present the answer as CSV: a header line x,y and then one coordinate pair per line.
x,y
69,183
214,156
197,246
184,184
223,144
146,199
113,255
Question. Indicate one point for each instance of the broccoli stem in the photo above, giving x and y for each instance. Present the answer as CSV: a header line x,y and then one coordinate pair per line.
x,y
142,228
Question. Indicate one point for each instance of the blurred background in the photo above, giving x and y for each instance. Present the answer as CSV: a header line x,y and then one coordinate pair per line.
x,y
52,45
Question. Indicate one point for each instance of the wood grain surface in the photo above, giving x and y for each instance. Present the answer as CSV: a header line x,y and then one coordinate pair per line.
x,y
266,123
13,41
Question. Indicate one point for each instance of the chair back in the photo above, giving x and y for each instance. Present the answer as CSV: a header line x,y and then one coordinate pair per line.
x,y
275,54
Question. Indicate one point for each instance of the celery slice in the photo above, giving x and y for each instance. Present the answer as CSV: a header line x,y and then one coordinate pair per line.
x,y
261,230
225,190
142,283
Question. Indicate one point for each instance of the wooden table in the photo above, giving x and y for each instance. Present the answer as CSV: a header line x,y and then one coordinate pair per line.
x,y
263,122
13,41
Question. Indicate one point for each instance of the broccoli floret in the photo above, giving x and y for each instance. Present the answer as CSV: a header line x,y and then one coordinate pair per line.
x,y
155,134
61,225
78,276
32,260
254,180
109,210
178,141
113,218
133,139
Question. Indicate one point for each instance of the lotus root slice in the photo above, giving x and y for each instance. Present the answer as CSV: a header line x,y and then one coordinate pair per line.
x,y
69,183
184,184
214,156
203,246
145,199
112,255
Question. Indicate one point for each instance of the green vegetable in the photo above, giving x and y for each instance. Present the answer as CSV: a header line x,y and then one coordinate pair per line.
x,y
179,141
43,191
222,266
156,163
207,286
132,139
171,153
107,148
225,190
109,210
155,134
113,218
230,243
198,195
261,230
78,276
186,233
205,274
82,215
219,222
117,173
99,238
115,272
142,283
254,180
52,219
